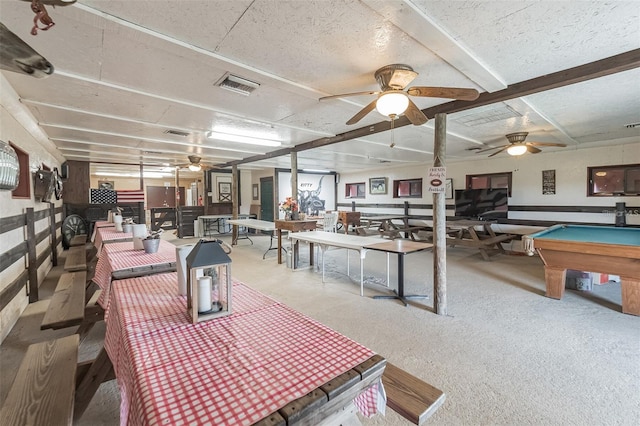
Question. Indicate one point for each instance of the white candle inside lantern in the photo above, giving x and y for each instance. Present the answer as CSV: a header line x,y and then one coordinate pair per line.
x,y
204,294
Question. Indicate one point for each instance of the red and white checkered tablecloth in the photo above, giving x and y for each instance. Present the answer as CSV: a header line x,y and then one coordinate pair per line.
x,y
119,256
101,224
110,234
232,370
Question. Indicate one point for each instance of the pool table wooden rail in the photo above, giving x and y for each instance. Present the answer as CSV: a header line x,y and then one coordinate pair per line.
x,y
619,259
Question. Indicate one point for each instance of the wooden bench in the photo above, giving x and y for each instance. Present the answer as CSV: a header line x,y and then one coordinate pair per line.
x,y
76,259
43,390
492,243
412,398
394,233
78,240
67,305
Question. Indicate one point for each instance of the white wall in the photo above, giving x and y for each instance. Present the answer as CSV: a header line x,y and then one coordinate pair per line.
x,y
19,127
571,182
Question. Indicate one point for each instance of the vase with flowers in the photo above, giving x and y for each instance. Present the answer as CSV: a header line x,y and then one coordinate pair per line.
x,y
290,208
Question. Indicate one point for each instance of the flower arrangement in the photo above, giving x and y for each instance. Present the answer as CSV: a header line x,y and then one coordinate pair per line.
x,y
154,235
289,205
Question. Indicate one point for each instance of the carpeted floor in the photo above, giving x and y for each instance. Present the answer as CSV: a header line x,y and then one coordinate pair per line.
x,y
504,354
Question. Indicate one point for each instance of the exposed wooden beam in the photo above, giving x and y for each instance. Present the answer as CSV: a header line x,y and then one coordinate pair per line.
x,y
601,68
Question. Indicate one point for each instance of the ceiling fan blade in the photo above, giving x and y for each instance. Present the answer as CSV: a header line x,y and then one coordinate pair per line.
x,y
546,144
345,95
492,148
414,114
364,111
444,92
498,152
533,149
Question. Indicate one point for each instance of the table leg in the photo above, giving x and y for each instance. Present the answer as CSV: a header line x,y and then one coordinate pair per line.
x,y
363,254
279,246
271,247
400,292
489,230
323,248
100,370
630,295
554,280
475,237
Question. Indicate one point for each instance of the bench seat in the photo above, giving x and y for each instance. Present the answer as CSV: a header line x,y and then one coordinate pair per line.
x,y
485,243
67,305
409,396
78,240
43,390
76,259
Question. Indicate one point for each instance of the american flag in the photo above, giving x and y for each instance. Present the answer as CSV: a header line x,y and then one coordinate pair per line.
x,y
131,196
102,196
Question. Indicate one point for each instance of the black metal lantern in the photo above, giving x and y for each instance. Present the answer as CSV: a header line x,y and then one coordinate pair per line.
x,y
208,282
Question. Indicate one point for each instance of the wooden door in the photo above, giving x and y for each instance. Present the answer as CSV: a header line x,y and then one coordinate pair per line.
x,y
266,199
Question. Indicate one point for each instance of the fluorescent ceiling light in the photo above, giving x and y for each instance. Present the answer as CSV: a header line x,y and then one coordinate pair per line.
x,y
316,170
242,139
150,175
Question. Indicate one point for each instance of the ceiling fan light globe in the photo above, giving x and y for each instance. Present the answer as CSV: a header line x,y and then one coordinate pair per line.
x,y
392,104
195,167
516,150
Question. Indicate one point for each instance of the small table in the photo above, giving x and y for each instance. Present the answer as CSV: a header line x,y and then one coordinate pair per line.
x,y
293,226
101,224
604,249
220,220
334,239
401,248
260,225
110,235
120,260
346,218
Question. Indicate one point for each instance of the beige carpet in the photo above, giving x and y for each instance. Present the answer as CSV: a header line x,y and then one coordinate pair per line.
x,y
505,354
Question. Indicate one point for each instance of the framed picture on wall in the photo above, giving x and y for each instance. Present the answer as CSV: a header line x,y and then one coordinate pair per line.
x,y
255,191
224,191
378,185
448,189
105,184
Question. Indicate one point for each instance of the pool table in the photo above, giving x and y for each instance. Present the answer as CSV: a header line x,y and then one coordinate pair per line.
x,y
604,249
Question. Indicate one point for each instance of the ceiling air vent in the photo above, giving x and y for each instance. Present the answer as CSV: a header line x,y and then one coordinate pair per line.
x,y
176,133
237,84
487,114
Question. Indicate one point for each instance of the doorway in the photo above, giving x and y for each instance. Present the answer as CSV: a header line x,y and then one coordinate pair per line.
x,y
266,199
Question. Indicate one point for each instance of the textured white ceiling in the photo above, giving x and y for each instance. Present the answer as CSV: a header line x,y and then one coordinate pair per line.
x,y
126,71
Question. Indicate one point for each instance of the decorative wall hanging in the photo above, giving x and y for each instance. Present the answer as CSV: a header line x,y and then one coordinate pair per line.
x,y
548,182
378,185
9,167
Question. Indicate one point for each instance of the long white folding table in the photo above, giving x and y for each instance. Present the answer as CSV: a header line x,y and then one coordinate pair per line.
x,y
333,239
260,225
221,220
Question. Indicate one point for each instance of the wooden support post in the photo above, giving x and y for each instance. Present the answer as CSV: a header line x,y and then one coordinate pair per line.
x,y
52,230
234,202
31,255
440,222
294,176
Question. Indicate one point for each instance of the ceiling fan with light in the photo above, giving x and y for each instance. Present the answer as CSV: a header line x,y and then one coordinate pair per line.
x,y
195,165
518,146
393,100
